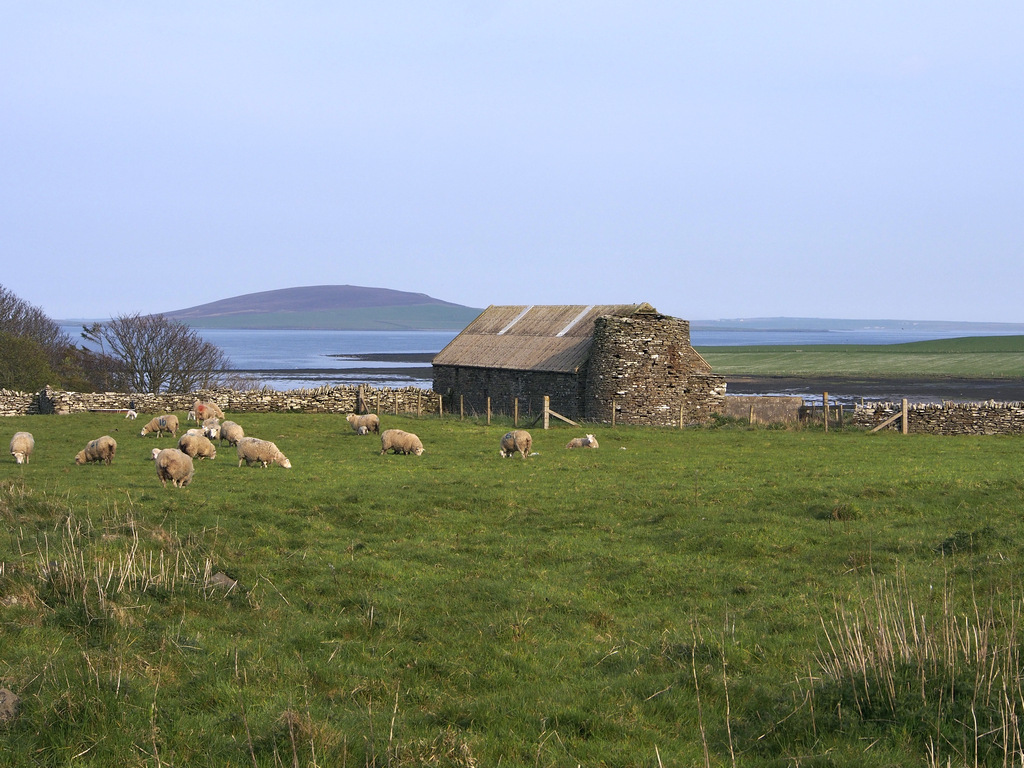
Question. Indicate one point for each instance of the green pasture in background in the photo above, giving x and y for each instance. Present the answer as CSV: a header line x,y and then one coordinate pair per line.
x,y
717,596
977,357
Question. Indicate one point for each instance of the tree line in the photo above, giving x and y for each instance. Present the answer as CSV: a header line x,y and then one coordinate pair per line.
x,y
129,353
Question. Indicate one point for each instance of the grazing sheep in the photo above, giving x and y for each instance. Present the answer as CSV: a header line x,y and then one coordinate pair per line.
x,y
211,428
400,442
518,440
583,442
201,411
100,449
173,465
252,450
161,424
369,420
22,445
156,452
231,432
197,446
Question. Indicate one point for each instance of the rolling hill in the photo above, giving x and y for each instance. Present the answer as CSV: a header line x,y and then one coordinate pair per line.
x,y
330,307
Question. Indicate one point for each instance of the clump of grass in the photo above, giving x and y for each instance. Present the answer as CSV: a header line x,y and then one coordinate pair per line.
x,y
951,683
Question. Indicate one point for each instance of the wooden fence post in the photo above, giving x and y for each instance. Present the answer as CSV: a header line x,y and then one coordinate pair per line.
x,y
547,407
419,404
488,410
614,408
440,406
681,416
462,407
516,418
904,415
824,403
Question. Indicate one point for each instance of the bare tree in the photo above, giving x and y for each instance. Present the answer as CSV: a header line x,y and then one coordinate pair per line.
x,y
154,354
21,320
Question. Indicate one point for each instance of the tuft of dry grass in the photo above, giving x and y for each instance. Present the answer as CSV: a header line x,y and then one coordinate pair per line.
x,y
952,678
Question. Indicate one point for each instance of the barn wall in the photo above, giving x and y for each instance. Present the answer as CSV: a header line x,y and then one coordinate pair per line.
x,y
644,368
475,385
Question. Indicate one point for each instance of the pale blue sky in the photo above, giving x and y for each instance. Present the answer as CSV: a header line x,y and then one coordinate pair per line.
x,y
718,160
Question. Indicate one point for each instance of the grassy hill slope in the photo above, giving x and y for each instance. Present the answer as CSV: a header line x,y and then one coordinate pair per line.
x,y
980,357
725,596
330,307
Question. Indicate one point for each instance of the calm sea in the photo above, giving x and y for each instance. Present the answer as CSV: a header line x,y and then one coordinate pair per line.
x,y
293,359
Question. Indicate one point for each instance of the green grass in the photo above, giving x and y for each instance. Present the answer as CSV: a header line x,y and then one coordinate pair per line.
x,y
743,594
977,357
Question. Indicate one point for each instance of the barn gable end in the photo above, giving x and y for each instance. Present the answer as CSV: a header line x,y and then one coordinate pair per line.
x,y
589,359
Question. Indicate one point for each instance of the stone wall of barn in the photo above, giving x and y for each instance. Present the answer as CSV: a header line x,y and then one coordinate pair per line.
x,y
643,370
469,387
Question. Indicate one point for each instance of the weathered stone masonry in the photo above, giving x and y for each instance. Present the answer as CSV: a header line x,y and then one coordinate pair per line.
x,y
318,400
989,418
640,367
644,367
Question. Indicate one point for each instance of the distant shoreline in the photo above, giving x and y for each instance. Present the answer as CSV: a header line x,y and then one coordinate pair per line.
x,y
891,389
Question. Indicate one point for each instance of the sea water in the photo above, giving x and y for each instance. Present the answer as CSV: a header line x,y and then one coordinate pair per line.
x,y
292,359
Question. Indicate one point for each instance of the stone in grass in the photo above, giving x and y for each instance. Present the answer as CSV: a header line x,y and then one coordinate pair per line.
x,y
10,704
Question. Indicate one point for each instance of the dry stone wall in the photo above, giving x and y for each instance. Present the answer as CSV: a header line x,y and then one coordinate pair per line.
x,y
988,418
643,369
316,400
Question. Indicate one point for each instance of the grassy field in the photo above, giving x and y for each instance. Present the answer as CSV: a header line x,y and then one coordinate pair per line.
x,y
717,596
982,357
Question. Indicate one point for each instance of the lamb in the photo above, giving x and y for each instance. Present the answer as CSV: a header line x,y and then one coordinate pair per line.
x,y
252,450
100,449
583,442
197,446
161,424
400,442
173,465
22,445
211,428
369,420
231,432
201,411
516,440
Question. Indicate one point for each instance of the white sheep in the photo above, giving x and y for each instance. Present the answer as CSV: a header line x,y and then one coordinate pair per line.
x,y
369,420
252,450
22,445
197,446
231,432
132,414
173,465
211,428
518,440
400,442
161,424
583,442
100,449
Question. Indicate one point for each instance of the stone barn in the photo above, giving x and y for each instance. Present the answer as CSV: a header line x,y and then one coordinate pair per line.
x,y
590,360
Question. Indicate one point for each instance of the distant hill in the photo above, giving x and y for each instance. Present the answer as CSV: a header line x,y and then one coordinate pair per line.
x,y
330,307
835,324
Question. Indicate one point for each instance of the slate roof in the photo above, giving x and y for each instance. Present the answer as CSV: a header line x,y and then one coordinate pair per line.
x,y
524,337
